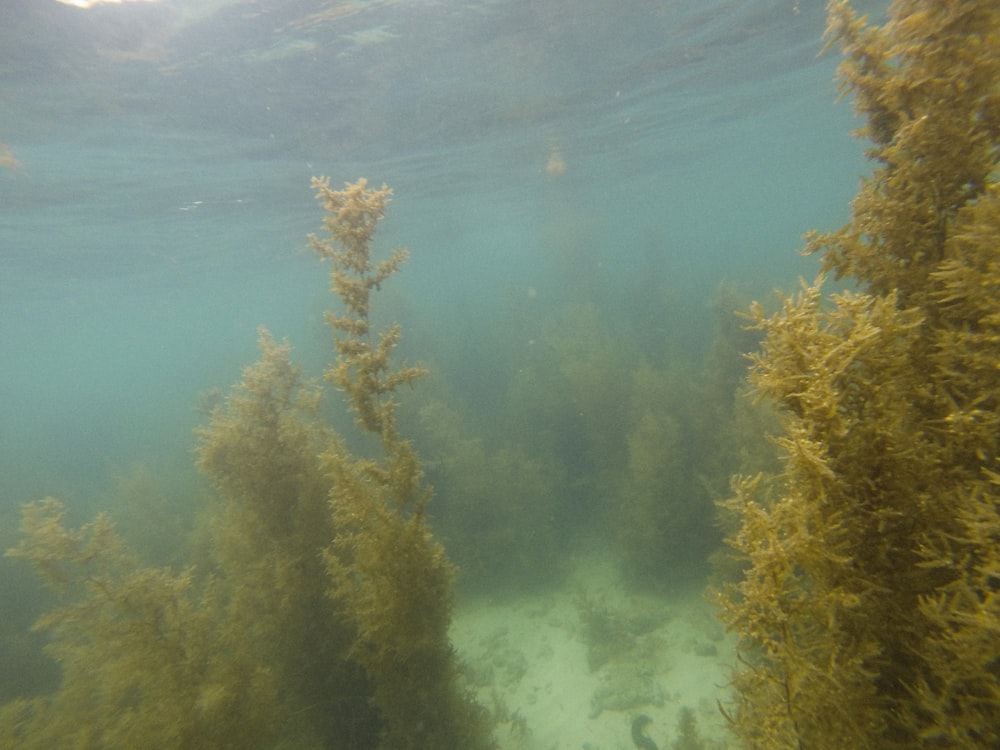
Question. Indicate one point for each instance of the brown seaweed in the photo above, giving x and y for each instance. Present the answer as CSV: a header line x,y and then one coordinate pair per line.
x,y
868,613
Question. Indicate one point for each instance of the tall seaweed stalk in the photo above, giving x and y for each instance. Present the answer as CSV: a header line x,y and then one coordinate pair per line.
x,y
869,611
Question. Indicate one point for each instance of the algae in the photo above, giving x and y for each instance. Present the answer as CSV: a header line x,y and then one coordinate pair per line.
x,y
389,575
142,661
317,614
688,736
689,427
868,613
494,502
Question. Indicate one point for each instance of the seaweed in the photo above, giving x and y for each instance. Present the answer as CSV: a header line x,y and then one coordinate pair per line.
x,y
494,504
868,614
688,736
318,613
687,426
143,664
266,528
390,576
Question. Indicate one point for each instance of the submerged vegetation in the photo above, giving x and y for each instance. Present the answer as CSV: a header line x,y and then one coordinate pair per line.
x,y
869,611
319,616
389,575
311,607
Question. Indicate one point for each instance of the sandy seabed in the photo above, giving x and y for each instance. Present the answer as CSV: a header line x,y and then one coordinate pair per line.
x,y
573,667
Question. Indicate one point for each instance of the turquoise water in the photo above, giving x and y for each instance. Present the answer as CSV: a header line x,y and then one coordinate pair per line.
x,y
576,181
161,203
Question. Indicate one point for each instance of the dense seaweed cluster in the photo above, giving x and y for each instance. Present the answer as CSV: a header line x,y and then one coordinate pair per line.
x,y
389,575
318,614
869,612
312,608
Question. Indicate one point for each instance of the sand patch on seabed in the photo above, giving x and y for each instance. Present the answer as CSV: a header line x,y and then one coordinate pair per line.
x,y
535,658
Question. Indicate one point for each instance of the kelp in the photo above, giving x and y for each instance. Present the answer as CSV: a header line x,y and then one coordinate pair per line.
x,y
868,614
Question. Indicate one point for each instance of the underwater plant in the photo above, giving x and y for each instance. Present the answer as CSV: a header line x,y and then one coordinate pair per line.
x,y
267,527
389,575
143,660
687,428
868,613
318,614
494,503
